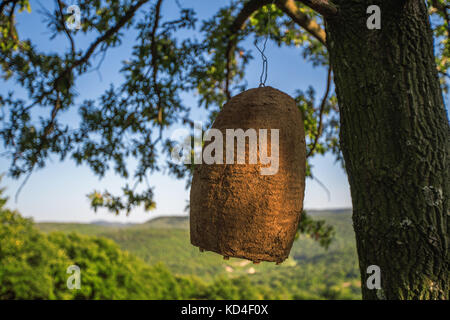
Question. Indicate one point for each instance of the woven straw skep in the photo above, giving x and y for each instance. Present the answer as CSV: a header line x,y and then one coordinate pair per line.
x,y
234,209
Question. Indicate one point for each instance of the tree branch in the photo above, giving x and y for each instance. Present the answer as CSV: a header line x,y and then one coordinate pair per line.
x,y
249,8
287,6
238,24
63,24
128,15
312,27
49,127
443,10
153,49
4,3
126,18
324,7
321,110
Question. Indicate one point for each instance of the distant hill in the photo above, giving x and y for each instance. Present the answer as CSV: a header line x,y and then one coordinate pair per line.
x,y
164,222
85,228
177,222
111,224
313,212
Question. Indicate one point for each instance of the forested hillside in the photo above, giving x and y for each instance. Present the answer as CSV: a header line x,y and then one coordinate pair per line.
x,y
310,272
155,260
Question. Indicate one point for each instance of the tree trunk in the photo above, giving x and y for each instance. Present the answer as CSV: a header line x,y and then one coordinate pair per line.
x,y
395,142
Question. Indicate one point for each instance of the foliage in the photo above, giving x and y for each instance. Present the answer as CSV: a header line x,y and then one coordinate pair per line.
x,y
129,119
316,229
31,267
33,264
311,272
440,21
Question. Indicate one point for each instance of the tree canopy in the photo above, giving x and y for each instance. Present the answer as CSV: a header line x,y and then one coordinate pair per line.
x,y
129,120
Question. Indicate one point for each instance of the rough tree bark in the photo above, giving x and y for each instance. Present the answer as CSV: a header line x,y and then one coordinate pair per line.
x,y
395,141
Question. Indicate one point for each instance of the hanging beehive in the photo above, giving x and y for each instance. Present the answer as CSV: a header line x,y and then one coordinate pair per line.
x,y
237,211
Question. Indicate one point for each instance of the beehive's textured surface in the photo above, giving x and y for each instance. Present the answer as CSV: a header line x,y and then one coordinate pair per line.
x,y
234,210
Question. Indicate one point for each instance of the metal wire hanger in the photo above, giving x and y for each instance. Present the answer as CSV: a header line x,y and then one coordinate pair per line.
x,y
265,63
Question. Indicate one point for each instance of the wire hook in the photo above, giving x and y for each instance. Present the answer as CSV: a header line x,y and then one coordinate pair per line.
x,y
265,63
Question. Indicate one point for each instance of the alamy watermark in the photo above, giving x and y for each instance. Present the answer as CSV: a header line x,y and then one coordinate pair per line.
x,y
374,20
73,22
186,152
374,280
74,281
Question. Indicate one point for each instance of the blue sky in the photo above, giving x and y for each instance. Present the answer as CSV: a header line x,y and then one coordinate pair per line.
x,y
58,192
